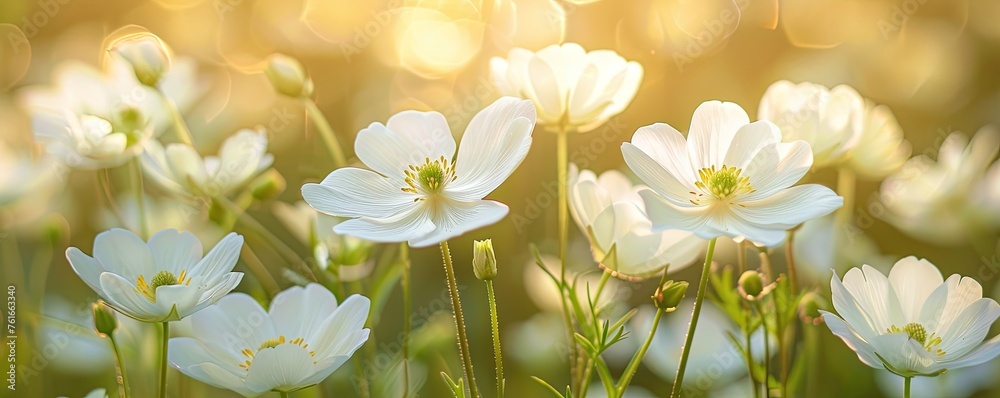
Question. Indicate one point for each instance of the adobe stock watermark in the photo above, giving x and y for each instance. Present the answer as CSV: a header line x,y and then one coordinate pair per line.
x,y
897,18
364,34
33,22
11,337
710,35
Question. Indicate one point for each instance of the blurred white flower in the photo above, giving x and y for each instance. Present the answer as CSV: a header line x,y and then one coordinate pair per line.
x,y
881,149
729,178
830,120
180,169
348,254
148,56
303,338
986,196
913,323
571,88
822,244
163,280
930,199
20,175
610,212
415,191
545,294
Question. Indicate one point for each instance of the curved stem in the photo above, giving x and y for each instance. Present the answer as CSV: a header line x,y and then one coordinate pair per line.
x,y
906,387
163,359
702,287
456,306
404,255
140,201
633,365
123,386
326,132
183,133
497,352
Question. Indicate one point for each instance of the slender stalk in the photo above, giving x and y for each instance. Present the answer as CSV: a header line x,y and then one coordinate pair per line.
x,y
633,364
562,166
747,334
456,306
702,288
906,387
600,286
588,372
497,352
767,350
260,272
793,279
326,132
140,201
163,359
404,255
362,377
846,184
122,379
260,230
183,134
282,394
606,380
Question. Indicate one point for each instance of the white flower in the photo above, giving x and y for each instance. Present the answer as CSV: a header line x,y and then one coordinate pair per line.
x,y
299,342
930,199
163,280
416,191
348,254
610,212
570,87
829,120
881,149
179,167
986,195
913,323
729,178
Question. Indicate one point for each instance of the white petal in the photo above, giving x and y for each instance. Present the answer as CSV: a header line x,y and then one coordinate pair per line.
x,y
913,281
213,374
182,297
840,328
777,167
388,153
236,322
187,167
493,145
86,267
221,259
122,295
298,311
240,157
452,219
713,126
666,146
333,336
410,224
549,95
110,145
653,174
748,142
282,368
962,292
174,251
981,354
217,291
851,311
586,201
429,131
122,252
665,215
353,192
790,207
875,296
969,328
904,353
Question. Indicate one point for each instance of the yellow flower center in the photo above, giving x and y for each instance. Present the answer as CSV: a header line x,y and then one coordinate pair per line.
x,y
162,278
918,333
430,177
272,343
721,183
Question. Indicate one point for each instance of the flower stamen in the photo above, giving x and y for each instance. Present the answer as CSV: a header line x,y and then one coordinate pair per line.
x,y
918,333
722,183
430,177
272,343
162,278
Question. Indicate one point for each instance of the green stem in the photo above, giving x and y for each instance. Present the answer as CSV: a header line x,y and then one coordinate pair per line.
x,y
747,333
906,387
497,352
163,359
139,199
562,166
702,288
588,372
326,132
633,365
793,279
846,184
767,350
183,133
282,394
606,379
122,379
600,287
456,306
404,254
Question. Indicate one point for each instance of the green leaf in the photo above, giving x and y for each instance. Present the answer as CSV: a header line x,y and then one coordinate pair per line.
x,y
457,389
552,389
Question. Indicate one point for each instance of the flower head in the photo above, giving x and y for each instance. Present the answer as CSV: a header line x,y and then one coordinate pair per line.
x,y
288,77
881,148
729,178
913,323
146,53
415,192
571,88
830,120
163,280
610,212
179,167
302,339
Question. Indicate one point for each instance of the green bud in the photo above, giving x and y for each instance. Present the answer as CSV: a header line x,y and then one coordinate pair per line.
x,y
149,57
484,262
751,285
105,320
809,308
288,77
669,296
268,185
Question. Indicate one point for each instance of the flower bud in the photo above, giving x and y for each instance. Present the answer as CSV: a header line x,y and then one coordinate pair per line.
x,y
809,308
669,296
288,77
484,262
268,185
105,320
149,57
751,285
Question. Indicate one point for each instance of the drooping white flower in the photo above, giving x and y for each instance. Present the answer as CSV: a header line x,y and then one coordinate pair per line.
x,y
415,191
163,280
930,199
570,87
302,339
610,212
729,178
830,120
913,323
179,167
881,149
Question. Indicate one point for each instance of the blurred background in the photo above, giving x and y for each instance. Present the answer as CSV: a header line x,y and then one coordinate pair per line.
x,y
934,63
